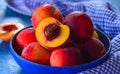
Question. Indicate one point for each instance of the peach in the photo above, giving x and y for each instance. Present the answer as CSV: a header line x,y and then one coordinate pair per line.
x,y
8,30
50,33
25,37
66,57
35,53
44,11
95,35
68,44
93,49
81,26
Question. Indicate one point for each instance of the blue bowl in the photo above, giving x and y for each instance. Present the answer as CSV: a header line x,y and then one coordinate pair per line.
x,y
34,68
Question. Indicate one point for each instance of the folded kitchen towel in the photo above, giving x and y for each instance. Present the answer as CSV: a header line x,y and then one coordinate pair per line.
x,y
104,16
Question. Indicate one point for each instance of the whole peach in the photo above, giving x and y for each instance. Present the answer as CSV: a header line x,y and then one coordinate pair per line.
x,y
25,37
44,11
66,57
93,49
81,26
35,53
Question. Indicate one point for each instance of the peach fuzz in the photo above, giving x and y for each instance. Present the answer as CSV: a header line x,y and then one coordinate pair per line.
x,y
25,37
93,49
81,26
66,57
50,33
44,11
36,53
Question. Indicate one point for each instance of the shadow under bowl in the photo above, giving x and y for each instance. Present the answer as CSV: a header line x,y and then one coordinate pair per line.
x,y
34,68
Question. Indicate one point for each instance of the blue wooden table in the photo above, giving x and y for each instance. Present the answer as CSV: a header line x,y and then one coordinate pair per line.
x,y
7,63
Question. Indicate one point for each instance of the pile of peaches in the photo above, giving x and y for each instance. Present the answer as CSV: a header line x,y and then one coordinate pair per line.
x,y
60,41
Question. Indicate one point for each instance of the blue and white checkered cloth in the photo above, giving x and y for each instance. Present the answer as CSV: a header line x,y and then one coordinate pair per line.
x,y
104,16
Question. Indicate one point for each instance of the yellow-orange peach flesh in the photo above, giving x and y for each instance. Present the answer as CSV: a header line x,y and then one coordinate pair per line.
x,y
56,41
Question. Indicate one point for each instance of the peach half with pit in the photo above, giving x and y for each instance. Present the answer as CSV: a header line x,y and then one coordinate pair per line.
x,y
51,33
8,30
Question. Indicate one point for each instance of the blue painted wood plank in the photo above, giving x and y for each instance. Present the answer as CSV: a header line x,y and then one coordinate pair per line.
x,y
7,62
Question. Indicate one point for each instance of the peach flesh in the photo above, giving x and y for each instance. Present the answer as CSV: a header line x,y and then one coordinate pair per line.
x,y
61,36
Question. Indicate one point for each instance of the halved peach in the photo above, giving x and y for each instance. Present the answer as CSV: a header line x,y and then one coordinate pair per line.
x,y
51,33
7,30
